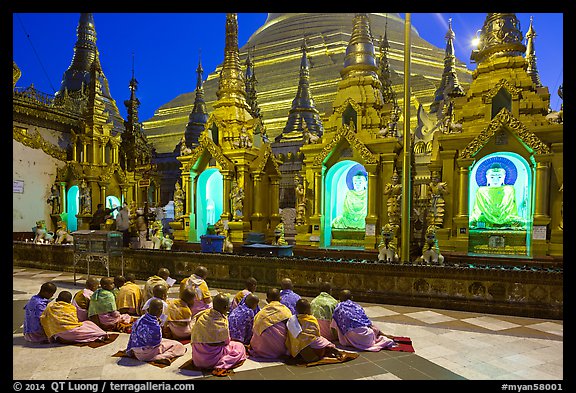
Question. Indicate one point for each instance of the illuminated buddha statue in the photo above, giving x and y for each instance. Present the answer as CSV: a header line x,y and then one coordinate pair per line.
x,y
355,205
495,204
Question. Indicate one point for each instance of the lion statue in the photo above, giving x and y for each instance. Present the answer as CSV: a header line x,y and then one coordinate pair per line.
x,y
431,251
41,234
387,246
63,235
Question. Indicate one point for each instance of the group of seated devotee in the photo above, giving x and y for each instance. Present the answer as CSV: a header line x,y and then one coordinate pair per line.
x,y
48,320
223,331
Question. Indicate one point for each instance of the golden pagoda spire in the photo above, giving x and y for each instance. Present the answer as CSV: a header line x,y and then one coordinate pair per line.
x,y
303,113
133,103
251,82
500,36
85,61
360,56
199,114
231,84
449,86
384,70
85,47
531,55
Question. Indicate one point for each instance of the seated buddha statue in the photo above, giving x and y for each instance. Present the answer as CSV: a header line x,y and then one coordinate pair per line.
x,y
355,205
495,203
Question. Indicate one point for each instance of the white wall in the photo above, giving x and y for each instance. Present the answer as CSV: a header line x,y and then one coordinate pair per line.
x,y
38,171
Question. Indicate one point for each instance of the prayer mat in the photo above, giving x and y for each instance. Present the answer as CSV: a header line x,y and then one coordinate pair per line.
x,y
98,343
403,344
325,360
158,363
219,372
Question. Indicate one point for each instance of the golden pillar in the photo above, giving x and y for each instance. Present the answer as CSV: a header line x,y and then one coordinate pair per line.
x,y
275,203
257,200
188,193
461,218
103,195
226,186
317,191
372,188
84,151
63,204
541,210
370,241
541,203
463,174
406,165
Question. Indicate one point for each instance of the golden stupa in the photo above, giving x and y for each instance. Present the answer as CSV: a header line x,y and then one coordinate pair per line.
x,y
276,51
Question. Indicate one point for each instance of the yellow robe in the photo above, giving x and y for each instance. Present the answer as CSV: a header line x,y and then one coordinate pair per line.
x,y
210,327
310,332
178,311
129,296
59,317
269,315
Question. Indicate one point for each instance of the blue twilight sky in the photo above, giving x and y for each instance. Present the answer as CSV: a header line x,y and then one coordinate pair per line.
x,y
166,46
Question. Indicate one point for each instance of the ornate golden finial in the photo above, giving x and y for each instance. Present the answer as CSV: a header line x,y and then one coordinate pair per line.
x,y
384,70
16,74
531,55
500,36
360,56
449,86
231,84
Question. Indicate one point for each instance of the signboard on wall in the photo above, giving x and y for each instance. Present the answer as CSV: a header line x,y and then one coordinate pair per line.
x,y
18,186
539,232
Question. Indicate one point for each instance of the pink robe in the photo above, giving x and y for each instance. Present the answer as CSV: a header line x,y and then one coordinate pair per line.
x,y
218,356
167,349
321,342
198,306
325,330
110,319
271,344
82,312
363,338
88,332
179,331
36,337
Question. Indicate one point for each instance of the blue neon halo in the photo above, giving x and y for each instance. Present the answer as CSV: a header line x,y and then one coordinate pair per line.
x,y
352,171
508,165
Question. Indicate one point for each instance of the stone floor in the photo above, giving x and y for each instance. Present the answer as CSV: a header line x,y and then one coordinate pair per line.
x,y
449,345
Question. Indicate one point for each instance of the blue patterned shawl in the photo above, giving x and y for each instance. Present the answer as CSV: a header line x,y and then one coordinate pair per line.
x,y
146,332
33,309
240,323
349,315
289,298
